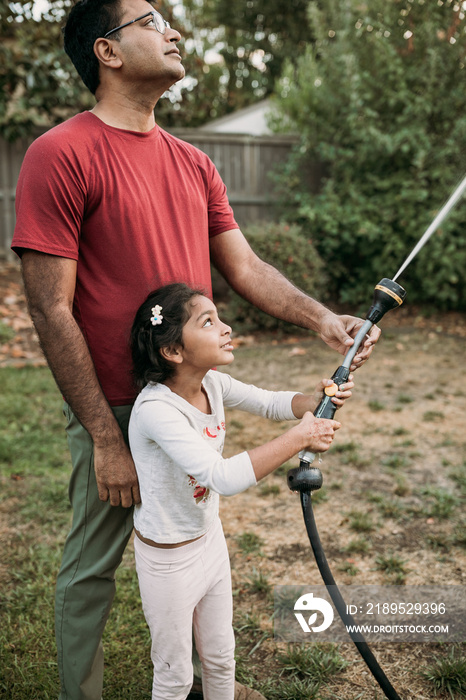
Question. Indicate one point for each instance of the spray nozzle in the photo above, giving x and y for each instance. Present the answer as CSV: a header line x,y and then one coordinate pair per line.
x,y
387,295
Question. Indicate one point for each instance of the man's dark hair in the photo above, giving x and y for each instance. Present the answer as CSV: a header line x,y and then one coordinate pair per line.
x,y
147,340
87,21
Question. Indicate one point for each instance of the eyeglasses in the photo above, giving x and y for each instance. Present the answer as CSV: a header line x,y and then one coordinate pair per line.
x,y
159,23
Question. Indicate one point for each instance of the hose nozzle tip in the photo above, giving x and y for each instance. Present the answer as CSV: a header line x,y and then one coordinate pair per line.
x,y
387,295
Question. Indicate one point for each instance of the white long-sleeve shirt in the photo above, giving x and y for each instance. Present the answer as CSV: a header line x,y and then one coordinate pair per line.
x,y
177,450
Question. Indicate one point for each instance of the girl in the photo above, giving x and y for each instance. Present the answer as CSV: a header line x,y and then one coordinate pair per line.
x,y
177,432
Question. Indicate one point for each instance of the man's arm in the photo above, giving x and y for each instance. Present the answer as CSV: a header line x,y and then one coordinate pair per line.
x,y
266,288
50,285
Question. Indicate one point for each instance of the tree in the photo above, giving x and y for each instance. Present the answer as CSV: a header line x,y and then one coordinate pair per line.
x,y
380,101
40,86
253,38
232,51
245,45
38,82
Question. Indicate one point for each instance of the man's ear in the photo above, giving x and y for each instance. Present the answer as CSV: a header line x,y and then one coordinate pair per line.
x,y
105,52
172,353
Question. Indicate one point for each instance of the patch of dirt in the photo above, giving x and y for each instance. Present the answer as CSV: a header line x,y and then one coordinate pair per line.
x,y
402,441
394,461
19,344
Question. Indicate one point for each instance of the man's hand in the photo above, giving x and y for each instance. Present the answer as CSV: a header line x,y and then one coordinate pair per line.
x,y
116,476
338,332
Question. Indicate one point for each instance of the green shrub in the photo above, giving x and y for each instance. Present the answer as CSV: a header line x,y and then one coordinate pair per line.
x,y
286,248
380,101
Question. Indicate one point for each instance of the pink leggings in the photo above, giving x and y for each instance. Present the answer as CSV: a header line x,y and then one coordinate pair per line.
x,y
188,589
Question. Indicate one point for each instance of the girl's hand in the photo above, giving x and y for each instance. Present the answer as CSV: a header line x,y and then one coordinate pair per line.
x,y
342,393
317,433
309,402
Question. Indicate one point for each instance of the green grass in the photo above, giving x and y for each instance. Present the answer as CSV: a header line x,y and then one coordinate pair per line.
x,y
388,507
360,545
459,535
259,582
34,506
396,460
458,475
34,480
433,416
393,567
348,567
400,431
6,333
31,423
316,661
404,398
402,487
249,543
343,447
349,452
284,600
438,503
376,405
294,689
447,675
268,489
249,636
360,521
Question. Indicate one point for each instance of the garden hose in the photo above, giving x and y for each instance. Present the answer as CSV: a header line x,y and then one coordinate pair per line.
x,y
305,479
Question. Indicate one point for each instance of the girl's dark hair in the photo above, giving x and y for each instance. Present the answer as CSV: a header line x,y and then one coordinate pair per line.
x,y
146,339
87,21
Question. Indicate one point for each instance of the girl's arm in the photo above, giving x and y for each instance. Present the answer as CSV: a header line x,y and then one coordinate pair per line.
x,y
314,434
164,424
275,405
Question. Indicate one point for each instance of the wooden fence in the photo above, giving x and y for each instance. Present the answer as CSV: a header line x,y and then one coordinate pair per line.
x,y
11,157
244,162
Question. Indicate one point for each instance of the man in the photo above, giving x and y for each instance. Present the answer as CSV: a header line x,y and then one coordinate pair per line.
x,y
110,206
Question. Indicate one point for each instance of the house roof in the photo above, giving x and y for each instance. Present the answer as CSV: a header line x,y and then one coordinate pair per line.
x,y
250,120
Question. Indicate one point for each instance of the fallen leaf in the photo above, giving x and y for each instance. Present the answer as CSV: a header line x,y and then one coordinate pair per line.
x,y
17,351
242,340
297,351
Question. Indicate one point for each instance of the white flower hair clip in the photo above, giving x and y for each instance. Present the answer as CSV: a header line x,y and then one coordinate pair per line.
x,y
156,318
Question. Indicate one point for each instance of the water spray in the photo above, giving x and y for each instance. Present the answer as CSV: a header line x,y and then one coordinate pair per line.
x,y
441,216
305,479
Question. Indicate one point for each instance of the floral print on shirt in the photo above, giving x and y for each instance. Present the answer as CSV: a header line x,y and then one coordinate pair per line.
x,y
201,493
209,432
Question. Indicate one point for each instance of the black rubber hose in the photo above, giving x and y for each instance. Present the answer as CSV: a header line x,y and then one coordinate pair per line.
x,y
327,576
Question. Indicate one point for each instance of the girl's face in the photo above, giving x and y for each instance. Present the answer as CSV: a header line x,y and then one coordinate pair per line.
x,y
206,339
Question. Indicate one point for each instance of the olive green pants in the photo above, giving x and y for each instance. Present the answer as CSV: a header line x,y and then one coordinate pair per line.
x,y
86,580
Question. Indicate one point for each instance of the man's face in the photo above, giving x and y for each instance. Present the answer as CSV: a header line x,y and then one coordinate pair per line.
x,y
148,55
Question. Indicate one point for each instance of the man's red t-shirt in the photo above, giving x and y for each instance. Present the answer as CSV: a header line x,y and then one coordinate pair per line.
x,y
135,210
